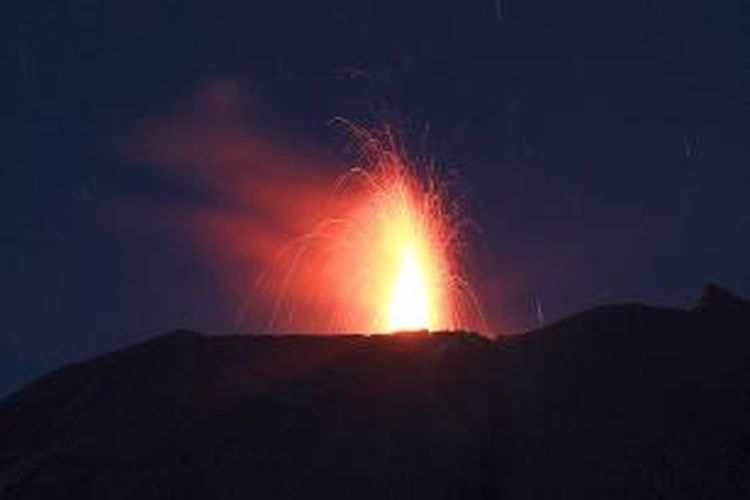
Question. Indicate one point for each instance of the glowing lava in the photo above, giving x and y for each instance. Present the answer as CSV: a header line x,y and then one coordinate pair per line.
x,y
384,259
409,304
397,226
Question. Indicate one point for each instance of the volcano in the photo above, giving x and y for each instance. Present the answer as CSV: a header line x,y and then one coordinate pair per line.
x,y
624,401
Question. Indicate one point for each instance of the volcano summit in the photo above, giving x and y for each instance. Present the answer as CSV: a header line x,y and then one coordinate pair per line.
x,y
624,401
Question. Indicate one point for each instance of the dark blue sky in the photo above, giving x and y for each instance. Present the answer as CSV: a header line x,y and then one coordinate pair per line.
x,y
603,147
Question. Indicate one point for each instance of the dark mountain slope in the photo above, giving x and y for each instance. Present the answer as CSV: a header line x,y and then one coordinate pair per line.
x,y
617,402
633,402
195,417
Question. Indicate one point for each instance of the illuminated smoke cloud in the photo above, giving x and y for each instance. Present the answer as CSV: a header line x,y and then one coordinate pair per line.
x,y
303,243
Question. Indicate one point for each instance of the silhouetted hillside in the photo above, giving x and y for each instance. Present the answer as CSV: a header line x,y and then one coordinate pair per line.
x,y
617,402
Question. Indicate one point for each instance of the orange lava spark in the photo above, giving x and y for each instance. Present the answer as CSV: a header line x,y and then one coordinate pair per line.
x,y
399,236
387,260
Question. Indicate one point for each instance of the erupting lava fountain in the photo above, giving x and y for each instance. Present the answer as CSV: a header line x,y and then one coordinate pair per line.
x,y
388,259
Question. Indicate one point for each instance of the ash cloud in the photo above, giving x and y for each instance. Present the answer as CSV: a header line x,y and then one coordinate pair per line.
x,y
250,192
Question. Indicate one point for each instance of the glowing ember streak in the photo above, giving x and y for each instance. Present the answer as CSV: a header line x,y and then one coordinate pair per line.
x,y
387,260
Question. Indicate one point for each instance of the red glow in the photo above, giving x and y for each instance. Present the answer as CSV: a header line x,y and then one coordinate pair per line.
x,y
297,246
387,259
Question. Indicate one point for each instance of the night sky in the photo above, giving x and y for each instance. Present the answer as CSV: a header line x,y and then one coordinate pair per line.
x,y
602,148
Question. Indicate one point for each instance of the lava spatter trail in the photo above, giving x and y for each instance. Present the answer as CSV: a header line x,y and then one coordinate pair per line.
x,y
386,257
